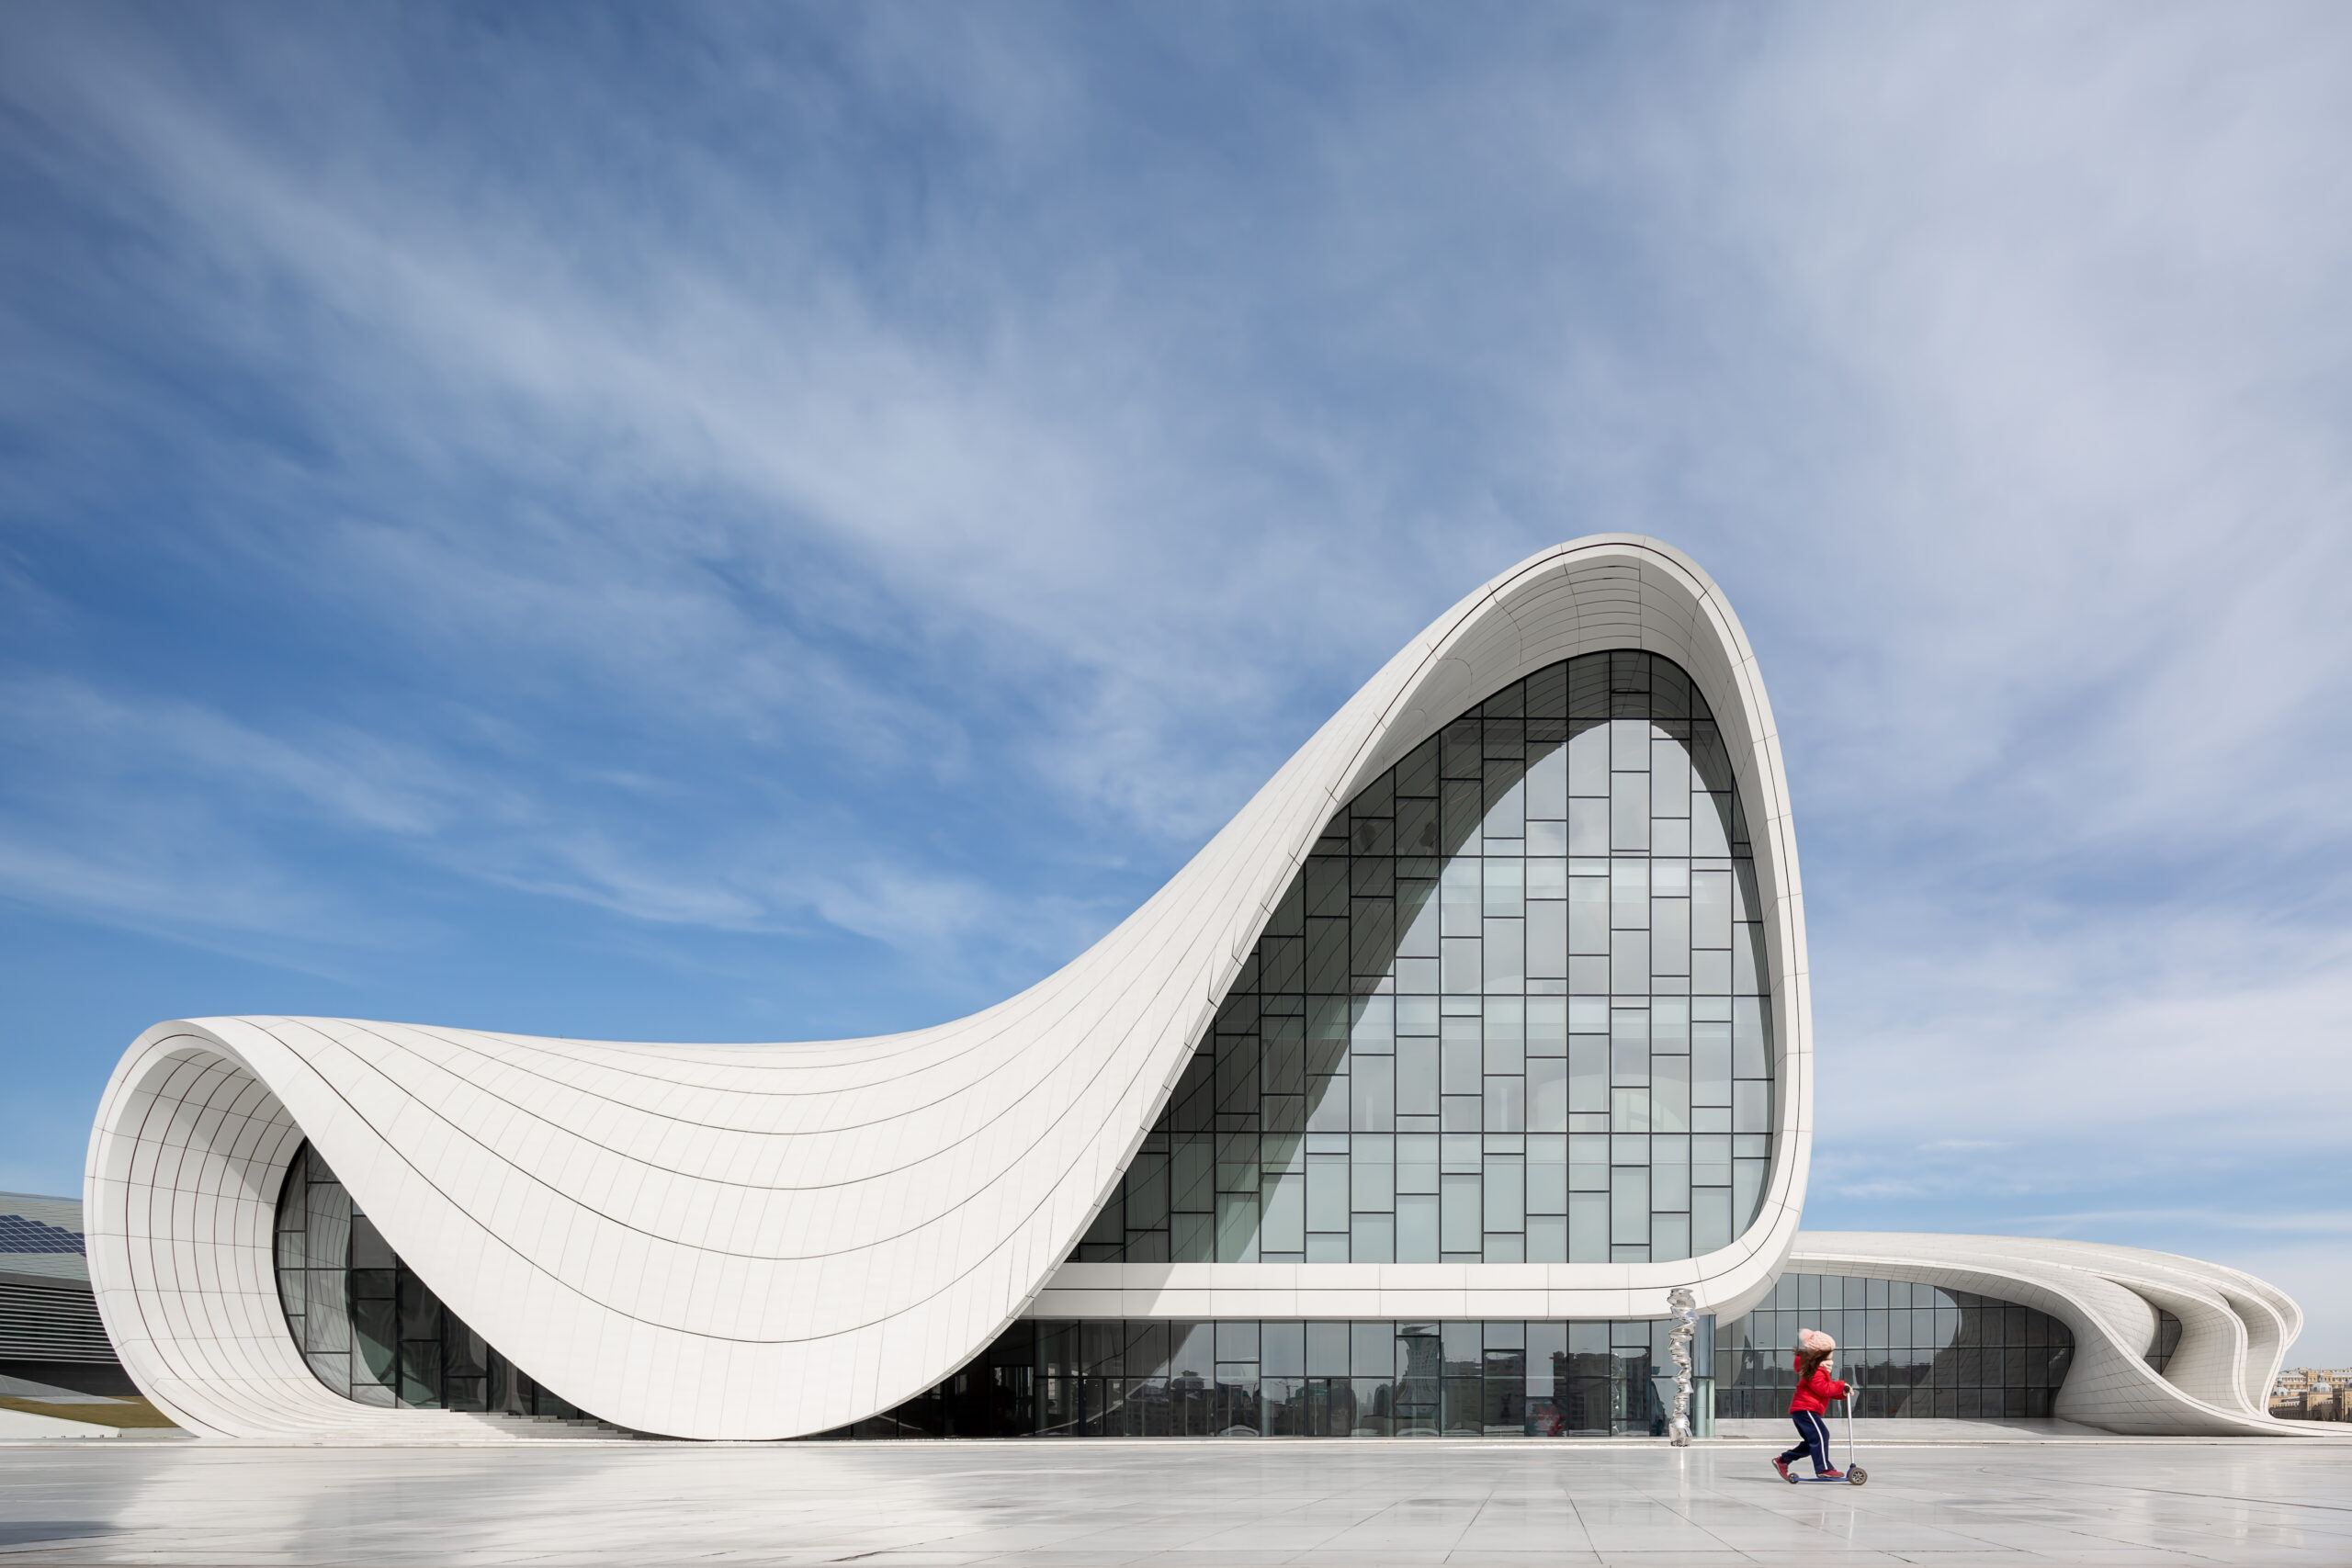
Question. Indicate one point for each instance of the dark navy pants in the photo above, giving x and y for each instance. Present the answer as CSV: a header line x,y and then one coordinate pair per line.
x,y
1815,1433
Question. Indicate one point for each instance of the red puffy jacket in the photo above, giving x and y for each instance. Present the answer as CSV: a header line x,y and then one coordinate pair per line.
x,y
1814,1392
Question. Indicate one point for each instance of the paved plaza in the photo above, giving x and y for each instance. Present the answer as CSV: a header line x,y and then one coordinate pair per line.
x,y
1193,1504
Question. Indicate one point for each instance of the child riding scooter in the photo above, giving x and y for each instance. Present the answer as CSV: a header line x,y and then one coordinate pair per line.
x,y
1809,1407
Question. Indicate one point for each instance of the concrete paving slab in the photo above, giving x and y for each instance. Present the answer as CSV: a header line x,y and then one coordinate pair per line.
x,y
1084,1505
22,1424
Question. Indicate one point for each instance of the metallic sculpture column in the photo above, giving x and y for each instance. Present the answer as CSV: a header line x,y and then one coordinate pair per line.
x,y
1686,1324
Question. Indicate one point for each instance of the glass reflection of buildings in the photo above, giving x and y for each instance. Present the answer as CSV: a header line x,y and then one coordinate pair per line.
x,y
1291,1379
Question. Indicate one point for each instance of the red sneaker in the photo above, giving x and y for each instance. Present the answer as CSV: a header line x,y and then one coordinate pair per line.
x,y
1831,1475
1782,1466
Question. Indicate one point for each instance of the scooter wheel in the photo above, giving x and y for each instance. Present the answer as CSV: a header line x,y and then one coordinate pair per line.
x,y
1858,1476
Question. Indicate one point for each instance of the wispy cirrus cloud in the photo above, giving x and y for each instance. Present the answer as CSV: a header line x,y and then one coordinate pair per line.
x,y
214,840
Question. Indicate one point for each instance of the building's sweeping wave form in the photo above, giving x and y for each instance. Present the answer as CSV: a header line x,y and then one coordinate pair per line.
x,y
762,1241
2163,1345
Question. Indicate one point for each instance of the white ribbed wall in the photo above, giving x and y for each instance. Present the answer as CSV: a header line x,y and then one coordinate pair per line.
x,y
762,1241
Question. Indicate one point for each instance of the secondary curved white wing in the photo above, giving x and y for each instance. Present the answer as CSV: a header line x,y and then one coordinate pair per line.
x,y
2234,1327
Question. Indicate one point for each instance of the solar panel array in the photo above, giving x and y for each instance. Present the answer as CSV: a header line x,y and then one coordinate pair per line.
x,y
19,1234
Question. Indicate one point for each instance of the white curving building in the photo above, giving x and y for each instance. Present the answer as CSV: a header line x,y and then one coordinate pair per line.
x,y
1400,1108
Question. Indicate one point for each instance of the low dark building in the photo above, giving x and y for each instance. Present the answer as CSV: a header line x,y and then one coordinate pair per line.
x,y
49,1330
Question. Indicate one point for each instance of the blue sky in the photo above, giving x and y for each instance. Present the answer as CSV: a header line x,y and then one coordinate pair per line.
x,y
730,523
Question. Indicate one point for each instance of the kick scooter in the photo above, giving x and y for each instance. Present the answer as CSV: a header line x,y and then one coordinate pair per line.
x,y
1855,1474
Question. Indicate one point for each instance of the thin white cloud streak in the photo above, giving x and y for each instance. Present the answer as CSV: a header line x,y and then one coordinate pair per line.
x,y
2046,1030
980,486
342,772
2082,279
2075,689
99,822
1955,331
171,818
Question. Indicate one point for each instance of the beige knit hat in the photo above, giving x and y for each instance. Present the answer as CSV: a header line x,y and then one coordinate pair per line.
x,y
1812,1339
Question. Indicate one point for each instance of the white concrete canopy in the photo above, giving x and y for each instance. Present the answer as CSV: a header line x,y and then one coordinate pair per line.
x,y
761,1241
2234,1327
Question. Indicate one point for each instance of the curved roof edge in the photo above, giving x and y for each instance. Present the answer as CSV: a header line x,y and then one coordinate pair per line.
x,y
771,1240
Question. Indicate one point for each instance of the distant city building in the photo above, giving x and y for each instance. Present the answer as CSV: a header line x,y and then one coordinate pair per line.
x,y
50,1327
1410,1106
2312,1394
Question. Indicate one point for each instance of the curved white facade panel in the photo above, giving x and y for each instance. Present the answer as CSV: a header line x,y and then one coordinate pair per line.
x,y
762,1241
2234,1327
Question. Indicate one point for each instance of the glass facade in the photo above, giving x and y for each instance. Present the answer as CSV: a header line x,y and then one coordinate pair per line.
x,y
1909,1350
1050,1378
370,1328
1513,1009
373,1332
2165,1341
